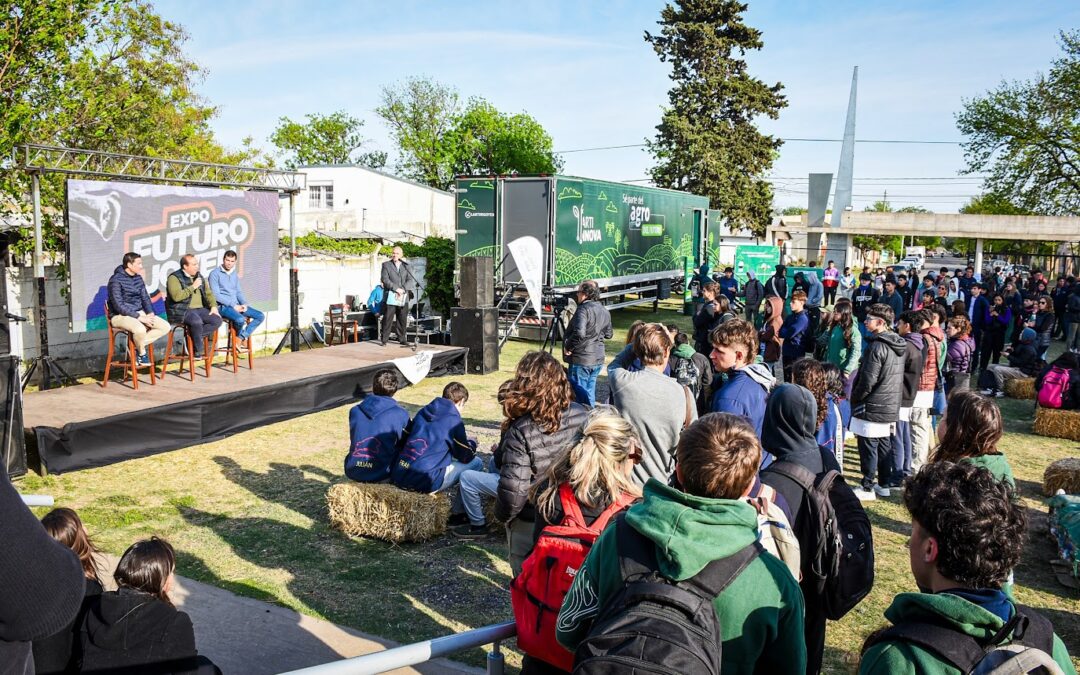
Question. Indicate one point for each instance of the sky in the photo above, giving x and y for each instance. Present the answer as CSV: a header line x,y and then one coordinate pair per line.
x,y
584,71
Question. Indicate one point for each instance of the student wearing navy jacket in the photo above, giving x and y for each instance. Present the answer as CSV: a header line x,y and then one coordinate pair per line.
x,y
735,345
794,333
376,426
436,451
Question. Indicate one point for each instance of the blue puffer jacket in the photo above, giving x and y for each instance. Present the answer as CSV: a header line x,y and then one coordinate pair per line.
x,y
436,437
376,426
127,294
746,394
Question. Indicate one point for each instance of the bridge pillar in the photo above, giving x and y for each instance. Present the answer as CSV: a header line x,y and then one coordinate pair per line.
x,y
978,257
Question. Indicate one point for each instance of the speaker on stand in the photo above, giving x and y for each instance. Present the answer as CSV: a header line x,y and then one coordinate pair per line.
x,y
477,281
478,329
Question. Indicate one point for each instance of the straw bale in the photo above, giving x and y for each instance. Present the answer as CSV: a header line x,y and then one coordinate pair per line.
x,y
1020,387
1057,423
1063,474
386,512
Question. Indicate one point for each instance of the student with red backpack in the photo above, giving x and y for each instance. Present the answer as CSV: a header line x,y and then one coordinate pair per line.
x,y
1058,384
655,565
585,487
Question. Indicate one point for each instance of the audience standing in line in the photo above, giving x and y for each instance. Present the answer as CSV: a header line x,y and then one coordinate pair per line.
x,y
776,286
709,315
830,283
795,333
761,610
875,401
657,405
729,285
922,408
769,336
753,294
967,535
907,326
998,320
960,355
583,343
862,298
693,370
847,283
1044,325
844,346
61,652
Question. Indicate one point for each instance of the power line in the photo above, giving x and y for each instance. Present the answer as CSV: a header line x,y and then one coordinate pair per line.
x,y
891,141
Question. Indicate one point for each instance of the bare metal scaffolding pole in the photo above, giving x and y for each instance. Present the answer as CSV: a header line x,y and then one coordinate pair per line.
x,y
37,160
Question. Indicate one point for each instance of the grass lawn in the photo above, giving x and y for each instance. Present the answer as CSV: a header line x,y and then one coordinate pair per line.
x,y
248,514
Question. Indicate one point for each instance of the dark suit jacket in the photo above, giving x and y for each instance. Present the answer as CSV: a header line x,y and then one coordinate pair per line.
x,y
393,278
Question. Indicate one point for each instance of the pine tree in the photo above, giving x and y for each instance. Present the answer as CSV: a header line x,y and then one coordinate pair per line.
x,y
707,142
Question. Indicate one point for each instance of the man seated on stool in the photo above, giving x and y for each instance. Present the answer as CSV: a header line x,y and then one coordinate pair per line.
x,y
225,284
131,308
189,300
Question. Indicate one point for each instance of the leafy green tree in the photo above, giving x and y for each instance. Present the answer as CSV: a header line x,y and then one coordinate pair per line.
x,y
1026,136
420,112
487,141
324,139
707,142
98,75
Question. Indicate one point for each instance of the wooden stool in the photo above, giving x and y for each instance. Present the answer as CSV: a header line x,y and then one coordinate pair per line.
x,y
189,351
230,348
130,365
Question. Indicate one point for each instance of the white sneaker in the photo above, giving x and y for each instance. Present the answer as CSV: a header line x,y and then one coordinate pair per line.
x,y
986,392
999,394
864,495
881,491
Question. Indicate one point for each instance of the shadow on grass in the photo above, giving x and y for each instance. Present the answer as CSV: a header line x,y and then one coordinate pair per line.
x,y
283,484
1034,571
404,593
1030,489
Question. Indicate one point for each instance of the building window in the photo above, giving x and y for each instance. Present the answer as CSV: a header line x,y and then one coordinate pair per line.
x,y
321,196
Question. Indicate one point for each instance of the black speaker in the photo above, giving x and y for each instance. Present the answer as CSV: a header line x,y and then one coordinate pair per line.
x,y
477,329
11,425
477,282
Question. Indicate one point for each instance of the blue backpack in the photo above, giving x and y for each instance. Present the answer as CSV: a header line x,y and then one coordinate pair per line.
x,y
375,299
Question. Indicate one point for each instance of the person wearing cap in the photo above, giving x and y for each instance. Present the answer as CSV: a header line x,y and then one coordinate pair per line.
x,y
1023,362
729,285
862,297
776,286
876,395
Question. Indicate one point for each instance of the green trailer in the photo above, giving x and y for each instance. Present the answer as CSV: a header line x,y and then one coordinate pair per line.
x,y
623,236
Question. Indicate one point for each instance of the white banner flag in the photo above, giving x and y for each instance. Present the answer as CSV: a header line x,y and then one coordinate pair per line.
x,y
415,367
528,256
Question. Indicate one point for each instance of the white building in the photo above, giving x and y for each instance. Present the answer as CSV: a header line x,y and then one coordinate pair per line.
x,y
358,199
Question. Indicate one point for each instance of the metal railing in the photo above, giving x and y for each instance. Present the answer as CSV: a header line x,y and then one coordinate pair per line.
x,y
421,652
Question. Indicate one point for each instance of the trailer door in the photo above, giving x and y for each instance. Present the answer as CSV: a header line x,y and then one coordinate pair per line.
x,y
526,204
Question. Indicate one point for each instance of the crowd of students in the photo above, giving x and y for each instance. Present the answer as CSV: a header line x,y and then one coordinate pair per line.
x,y
703,452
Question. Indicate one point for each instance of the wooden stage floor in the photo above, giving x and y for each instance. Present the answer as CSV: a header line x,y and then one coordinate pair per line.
x,y
79,426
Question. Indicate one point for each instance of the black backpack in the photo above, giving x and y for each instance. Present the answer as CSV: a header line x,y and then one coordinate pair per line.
x,y
653,624
1073,303
686,373
1025,644
835,537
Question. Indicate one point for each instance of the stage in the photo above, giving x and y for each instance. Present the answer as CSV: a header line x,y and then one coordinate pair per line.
x,y
85,426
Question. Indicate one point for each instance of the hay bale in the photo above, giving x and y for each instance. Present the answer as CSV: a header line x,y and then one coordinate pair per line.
x,y
1063,474
386,512
1020,387
1057,423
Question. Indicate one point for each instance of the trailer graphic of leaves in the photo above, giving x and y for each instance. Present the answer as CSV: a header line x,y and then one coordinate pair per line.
x,y
569,193
611,262
482,185
466,204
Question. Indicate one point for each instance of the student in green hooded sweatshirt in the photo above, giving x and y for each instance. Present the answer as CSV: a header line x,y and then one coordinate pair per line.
x,y
967,533
970,431
761,611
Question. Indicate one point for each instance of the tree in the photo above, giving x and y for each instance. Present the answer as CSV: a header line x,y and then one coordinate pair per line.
x,y
792,211
706,142
1026,136
487,141
324,139
103,75
420,113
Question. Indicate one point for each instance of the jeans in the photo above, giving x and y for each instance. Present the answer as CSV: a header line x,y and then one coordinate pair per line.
x,y
901,445
585,377
455,469
1072,338
475,485
921,430
875,460
1002,372
238,319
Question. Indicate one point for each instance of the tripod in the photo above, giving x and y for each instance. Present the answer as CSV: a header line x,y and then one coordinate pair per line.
x,y
50,368
555,332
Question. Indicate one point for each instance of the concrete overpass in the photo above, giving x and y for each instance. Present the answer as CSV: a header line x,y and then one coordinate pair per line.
x,y
958,225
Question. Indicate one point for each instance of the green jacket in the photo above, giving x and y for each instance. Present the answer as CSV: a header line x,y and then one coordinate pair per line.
x,y
997,465
195,298
897,658
844,358
761,612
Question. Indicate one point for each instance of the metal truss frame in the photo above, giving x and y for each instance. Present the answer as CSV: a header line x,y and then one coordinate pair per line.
x,y
56,159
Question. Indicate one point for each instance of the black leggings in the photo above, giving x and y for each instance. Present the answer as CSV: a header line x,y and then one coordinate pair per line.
x,y
993,343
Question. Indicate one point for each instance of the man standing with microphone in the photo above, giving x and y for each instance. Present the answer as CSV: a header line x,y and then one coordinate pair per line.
x,y
397,282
